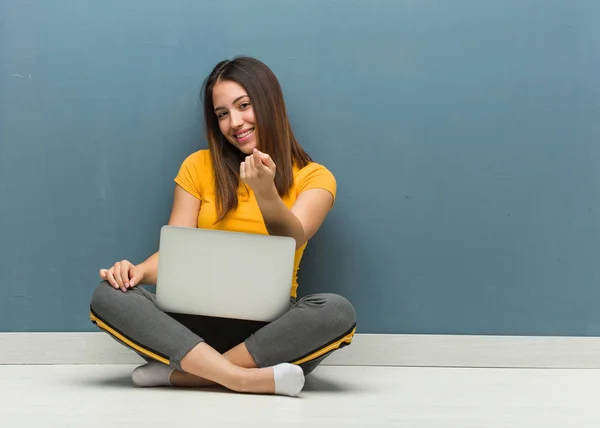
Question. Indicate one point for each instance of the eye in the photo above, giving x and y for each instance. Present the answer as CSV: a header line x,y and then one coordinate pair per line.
x,y
221,115
244,105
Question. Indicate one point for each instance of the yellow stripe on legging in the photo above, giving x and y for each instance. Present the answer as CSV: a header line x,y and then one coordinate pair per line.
x,y
329,348
128,342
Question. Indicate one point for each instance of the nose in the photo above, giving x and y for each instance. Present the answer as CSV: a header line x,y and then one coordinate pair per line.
x,y
236,119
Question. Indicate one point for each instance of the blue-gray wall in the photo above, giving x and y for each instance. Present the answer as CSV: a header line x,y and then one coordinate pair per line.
x,y
465,136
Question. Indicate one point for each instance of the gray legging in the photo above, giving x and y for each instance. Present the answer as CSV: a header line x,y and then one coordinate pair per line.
x,y
307,333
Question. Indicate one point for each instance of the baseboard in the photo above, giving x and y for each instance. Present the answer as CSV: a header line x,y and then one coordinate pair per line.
x,y
366,350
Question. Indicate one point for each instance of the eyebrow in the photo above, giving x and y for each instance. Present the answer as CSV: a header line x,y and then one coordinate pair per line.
x,y
234,101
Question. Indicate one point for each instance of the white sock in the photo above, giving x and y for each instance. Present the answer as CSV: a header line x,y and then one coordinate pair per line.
x,y
289,379
152,374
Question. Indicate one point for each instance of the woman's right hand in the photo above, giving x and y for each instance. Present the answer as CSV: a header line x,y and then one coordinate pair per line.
x,y
123,275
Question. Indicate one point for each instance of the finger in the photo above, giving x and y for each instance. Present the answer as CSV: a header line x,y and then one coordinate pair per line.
x,y
256,156
256,161
266,159
117,275
111,279
125,275
250,168
243,170
134,276
102,273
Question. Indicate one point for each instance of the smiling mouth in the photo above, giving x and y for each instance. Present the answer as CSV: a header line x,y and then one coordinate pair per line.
x,y
244,134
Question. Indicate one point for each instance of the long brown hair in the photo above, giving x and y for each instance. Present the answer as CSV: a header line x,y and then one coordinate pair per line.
x,y
275,136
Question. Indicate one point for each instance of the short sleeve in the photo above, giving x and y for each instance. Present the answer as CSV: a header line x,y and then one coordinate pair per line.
x,y
316,176
190,174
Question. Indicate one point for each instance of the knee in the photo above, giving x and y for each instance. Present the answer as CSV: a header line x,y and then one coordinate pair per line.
x,y
344,310
104,298
339,311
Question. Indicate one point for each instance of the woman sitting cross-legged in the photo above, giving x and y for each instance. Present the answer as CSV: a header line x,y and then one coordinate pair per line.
x,y
254,178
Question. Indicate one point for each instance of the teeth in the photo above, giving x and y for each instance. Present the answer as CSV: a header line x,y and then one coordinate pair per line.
x,y
245,134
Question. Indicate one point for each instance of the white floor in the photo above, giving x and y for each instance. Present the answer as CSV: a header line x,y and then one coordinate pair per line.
x,y
103,396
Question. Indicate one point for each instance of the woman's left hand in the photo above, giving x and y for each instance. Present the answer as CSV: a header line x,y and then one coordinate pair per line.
x,y
258,172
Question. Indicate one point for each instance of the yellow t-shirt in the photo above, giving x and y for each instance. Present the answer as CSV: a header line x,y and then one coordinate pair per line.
x,y
197,178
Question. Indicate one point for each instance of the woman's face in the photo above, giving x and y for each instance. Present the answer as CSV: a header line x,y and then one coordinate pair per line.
x,y
235,115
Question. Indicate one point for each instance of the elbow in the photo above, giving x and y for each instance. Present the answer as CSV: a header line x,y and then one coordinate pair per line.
x,y
301,239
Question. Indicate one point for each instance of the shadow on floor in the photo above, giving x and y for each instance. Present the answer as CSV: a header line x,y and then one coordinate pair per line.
x,y
315,382
319,383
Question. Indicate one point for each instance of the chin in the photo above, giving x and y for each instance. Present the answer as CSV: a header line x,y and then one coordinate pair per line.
x,y
247,148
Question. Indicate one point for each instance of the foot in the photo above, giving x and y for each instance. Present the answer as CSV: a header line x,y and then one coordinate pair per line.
x,y
152,374
282,379
289,379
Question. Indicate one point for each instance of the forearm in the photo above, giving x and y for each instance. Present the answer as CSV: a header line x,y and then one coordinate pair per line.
x,y
150,266
278,218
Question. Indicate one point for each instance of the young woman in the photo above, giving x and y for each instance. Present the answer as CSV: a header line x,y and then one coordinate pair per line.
x,y
255,178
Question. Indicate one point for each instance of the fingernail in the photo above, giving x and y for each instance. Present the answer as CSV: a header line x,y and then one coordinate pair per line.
x,y
126,284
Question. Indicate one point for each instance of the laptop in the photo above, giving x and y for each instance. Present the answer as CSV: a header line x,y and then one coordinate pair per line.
x,y
224,274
